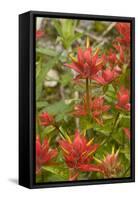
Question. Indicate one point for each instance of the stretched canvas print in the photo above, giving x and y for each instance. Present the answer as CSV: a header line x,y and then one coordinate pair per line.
x,y
80,111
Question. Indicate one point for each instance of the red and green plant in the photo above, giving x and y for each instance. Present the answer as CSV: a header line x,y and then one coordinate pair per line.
x,y
82,100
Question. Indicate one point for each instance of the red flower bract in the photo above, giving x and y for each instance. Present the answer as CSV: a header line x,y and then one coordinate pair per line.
x,y
111,58
120,50
43,154
110,165
96,107
106,76
124,30
80,110
123,99
86,64
78,154
127,132
46,119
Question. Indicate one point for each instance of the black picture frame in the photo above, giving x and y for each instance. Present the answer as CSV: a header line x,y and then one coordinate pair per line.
x,y
27,98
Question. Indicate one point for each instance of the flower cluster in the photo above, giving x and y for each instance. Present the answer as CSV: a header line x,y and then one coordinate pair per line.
x,y
43,154
110,165
77,149
87,63
124,30
96,108
78,154
46,119
123,99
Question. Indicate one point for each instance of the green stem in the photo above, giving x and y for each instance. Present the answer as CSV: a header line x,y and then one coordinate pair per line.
x,y
114,125
57,128
64,135
87,95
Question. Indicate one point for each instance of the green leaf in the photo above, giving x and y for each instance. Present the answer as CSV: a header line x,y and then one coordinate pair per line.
x,y
105,129
58,171
107,116
58,27
46,51
64,133
118,136
126,152
59,107
86,123
125,120
100,26
48,131
40,78
41,104
66,31
66,78
110,94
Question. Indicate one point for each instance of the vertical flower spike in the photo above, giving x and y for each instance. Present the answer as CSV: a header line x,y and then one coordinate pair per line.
x,y
111,165
87,63
43,154
46,119
81,109
123,99
98,107
78,154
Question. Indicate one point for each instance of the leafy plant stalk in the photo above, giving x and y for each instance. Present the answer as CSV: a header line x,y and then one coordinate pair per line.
x,y
55,125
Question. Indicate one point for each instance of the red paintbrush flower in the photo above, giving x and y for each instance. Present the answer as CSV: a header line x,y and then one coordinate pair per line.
x,y
106,76
98,108
124,30
123,99
120,51
110,165
39,34
111,58
86,64
46,119
127,132
78,154
43,154
80,110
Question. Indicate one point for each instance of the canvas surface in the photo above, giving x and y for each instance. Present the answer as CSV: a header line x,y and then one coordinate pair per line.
x,y
83,92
